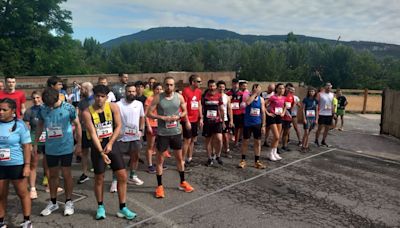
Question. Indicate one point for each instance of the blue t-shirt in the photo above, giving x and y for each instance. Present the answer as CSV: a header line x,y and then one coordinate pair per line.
x,y
57,123
11,152
253,115
310,104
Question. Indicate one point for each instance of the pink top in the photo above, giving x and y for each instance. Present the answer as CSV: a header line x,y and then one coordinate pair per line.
x,y
276,104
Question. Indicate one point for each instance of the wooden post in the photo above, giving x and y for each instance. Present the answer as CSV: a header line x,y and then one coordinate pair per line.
x,y
365,101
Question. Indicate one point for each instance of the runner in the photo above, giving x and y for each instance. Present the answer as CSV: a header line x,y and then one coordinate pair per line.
x,y
276,109
119,89
295,108
31,120
342,103
151,129
15,159
310,111
213,112
103,123
269,93
86,101
254,123
238,116
56,117
149,91
169,131
132,117
194,117
326,113
76,93
17,95
228,118
102,80
287,118
57,84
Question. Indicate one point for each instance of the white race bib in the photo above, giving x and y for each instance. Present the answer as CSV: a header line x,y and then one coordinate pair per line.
x,y
5,154
172,124
288,105
54,132
235,105
310,113
212,114
104,131
328,107
278,111
254,112
194,105
131,131
42,137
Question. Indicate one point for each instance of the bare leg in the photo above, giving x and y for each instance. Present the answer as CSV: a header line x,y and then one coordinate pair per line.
x,y
122,179
68,183
98,186
3,197
54,180
21,188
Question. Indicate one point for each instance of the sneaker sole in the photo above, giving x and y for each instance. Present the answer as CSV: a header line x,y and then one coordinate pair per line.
x,y
69,214
182,189
48,213
135,183
83,181
100,218
120,215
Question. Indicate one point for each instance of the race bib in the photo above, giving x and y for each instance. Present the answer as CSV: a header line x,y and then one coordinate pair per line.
x,y
235,105
194,105
172,124
278,111
288,105
212,114
131,131
104,131
254,112
42,137
54,132
328,107
310,113
5,154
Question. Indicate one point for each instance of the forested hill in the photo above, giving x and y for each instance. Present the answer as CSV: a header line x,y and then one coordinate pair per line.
x,y
190,34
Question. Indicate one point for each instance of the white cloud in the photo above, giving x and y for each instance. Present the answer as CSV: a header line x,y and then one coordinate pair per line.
x,y
353,20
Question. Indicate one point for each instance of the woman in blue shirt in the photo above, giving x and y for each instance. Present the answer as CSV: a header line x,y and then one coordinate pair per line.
x,y
15,158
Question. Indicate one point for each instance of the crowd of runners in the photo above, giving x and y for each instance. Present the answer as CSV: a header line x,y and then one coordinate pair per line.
x,y
102,125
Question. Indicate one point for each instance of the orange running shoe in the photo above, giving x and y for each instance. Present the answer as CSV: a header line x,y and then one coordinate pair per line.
x,y
160,192
185,186
167,154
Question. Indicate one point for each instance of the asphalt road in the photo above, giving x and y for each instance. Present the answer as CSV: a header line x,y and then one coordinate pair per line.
x,y
353,183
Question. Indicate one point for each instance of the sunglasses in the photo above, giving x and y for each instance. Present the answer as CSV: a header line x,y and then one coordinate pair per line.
x,y
198,81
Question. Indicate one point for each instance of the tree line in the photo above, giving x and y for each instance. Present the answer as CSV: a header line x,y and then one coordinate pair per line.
x,y
36,40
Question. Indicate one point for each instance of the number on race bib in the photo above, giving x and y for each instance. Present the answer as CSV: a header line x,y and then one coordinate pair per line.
x,y
5,154
212,114
254,112
172,124
288,105
235,105
310,113
104,131
278,111
42,137
54,132
194,105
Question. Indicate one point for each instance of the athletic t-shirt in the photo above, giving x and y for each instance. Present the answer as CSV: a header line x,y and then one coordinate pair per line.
x,y
289,103
119,91
153,122
253,114
11,151
295,107
325,103
211,103
18,96
236,100
192,99
31,116
57,123
225,106
310,107
276,104
341,102
130,117
169,107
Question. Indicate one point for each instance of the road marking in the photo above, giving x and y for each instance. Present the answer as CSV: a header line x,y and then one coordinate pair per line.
x,y
368,156
152,212
225,188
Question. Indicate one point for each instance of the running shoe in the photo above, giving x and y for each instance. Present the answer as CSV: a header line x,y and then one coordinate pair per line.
x,y
316,143
185,186
242,164
259,165
101,212
113,187
167,154
83,178
151,169
126,213
219,160
69,208
160,192
209,162
26,224
228,153
58,189
285,148
323,143
33,193
49,209
276,155
3,225
271,156
135,180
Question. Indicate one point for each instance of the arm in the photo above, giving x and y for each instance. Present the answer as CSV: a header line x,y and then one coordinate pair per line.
x,y
151,109
251,98
23,108
183,109
230,112
87,119
117,125
78,135
27,149
264,116
201,114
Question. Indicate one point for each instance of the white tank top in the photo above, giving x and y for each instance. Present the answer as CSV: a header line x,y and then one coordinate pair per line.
x,y
325,104
225,105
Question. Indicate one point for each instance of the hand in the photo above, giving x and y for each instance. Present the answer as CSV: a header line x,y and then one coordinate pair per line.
x,y
271,114
231,125
305,121
201,123
108,148
26,171
188,125
78,149
150,130
223,125
106,159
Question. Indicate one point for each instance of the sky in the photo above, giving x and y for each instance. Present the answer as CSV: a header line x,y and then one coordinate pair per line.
x,y
364,20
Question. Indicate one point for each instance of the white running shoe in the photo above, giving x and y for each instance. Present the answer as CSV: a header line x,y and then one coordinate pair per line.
x,y
135,180
271,155
26,224
69,208
49,209
113,187
275,152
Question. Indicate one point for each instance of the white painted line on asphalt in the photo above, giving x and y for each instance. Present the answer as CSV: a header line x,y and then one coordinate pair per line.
x,y
368,156
152,212
225,188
